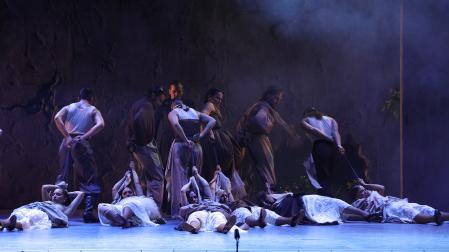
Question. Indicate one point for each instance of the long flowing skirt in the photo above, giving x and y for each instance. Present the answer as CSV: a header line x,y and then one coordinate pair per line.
x,y
260,172
402,211
179,168
32,218
321,209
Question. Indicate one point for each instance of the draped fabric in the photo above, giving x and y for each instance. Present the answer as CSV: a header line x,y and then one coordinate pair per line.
x,y
145,210
321,209
41,215
395,210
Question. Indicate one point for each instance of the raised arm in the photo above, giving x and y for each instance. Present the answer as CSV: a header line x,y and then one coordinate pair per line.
x,y
99,125
117,185
137,185
373,187
207,193
75,202
46,190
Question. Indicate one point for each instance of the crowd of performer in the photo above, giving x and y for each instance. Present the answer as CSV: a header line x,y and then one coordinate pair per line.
x,y
187,166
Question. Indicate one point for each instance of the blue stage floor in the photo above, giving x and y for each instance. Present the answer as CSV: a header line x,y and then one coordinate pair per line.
x,y
346,237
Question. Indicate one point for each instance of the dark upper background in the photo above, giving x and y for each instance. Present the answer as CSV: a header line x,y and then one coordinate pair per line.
x,y
340,56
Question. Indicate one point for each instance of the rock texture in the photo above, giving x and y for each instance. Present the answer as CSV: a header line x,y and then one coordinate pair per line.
x,y
340,56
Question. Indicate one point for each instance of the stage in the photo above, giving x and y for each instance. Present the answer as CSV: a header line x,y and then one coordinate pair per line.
x,y
354,236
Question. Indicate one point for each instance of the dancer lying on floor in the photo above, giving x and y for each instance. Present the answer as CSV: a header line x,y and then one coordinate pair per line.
x,y
130,207
202,213
317,209
246,212
370,198
52,211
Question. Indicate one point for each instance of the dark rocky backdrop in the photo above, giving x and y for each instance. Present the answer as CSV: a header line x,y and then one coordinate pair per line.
x,y
340,56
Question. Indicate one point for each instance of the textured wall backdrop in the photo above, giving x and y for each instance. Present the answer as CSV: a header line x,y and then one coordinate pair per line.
x,y
341,56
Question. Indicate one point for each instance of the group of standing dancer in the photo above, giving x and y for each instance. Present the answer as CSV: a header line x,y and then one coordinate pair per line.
x,y
187,165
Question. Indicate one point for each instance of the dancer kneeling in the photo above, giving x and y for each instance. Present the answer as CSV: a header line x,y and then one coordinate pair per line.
x,y
203,214
370,197
130,207
52,211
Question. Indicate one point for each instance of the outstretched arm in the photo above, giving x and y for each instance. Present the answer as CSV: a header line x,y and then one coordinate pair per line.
x,y
289,129
75,202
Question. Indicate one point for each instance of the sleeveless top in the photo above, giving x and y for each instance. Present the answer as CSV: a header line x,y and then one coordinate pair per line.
x,y
325,124
189,121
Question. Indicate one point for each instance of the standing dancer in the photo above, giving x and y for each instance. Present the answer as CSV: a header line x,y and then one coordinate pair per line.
x,y
185,149
140,141
253,130
78,123
220,148
327,151
165,135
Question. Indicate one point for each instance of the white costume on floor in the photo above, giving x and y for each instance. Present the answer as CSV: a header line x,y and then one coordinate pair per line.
x,y
210,221
323,209
242,213
32,218
394,209
144,209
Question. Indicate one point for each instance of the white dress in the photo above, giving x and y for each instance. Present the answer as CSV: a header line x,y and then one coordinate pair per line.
x,y
323,209
144,209
394,209
32,218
